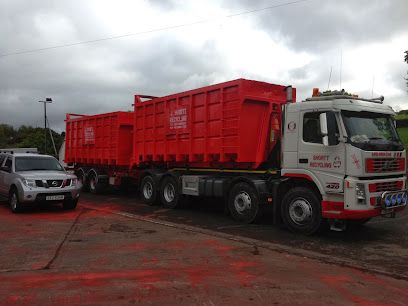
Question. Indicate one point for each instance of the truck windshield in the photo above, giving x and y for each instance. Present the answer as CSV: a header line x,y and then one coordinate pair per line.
x,y
371,131
37,163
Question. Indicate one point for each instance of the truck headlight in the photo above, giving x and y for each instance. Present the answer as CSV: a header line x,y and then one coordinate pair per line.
x,y
360,191
29,183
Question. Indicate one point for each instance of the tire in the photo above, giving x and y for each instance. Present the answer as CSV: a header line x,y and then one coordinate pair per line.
x,y
14,202
243,203
84,182
95,185
301,211
148,191
70,204
169,193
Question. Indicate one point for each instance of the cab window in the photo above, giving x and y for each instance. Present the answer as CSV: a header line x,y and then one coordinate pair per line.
x,y
311,128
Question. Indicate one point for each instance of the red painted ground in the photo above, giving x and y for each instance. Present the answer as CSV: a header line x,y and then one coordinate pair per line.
x,y
108,259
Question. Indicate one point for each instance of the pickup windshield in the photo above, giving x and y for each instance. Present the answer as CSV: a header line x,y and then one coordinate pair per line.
x,y
37,163
371,131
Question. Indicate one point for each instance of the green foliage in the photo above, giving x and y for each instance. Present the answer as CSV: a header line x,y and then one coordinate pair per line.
x,y
28,137
403,133
402,115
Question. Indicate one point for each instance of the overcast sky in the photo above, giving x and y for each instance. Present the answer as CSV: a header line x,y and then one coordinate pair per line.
x,y
292,42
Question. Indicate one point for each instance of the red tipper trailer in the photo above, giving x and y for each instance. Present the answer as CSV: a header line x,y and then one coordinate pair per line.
x,y
104,139
332,157
228,125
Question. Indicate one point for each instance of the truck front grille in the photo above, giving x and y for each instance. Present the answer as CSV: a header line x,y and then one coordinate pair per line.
x,y
378,165
386,186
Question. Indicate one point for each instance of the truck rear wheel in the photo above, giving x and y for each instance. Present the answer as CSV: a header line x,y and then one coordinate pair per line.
x,y
301,211
148,190
243,203
169,194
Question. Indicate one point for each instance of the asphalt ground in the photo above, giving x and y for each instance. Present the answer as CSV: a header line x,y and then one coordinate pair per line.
x,y
380,245
115,250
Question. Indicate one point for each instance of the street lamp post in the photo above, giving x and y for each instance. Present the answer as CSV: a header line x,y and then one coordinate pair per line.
x,y
47,100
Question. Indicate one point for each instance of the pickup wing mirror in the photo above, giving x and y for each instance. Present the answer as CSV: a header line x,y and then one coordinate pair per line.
x,y
328,128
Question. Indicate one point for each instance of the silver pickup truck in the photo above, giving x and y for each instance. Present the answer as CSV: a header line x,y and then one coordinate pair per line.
x,y
32,178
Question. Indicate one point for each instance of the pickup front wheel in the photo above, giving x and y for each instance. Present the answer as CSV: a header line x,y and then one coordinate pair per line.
x,y
14,202
70,204
301,211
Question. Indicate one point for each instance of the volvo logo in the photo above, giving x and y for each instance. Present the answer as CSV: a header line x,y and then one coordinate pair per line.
x,y
54,183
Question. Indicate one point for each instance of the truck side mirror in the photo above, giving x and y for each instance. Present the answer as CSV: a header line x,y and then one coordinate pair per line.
x,y
328,128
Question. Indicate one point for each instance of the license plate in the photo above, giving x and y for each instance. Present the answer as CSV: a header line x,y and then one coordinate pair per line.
x,y
388,211
54,198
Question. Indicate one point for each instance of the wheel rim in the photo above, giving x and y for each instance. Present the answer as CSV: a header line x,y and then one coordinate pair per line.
x,y
300,211
148,190
13,202
92,183
242,202
169,192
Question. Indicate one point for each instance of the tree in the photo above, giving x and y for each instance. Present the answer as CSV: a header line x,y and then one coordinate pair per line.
x,y
28,137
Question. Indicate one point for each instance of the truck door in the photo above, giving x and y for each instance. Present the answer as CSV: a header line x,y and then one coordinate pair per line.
x,y
327,163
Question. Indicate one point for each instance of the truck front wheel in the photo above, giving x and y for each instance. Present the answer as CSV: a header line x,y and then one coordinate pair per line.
x,y
243,203
301,211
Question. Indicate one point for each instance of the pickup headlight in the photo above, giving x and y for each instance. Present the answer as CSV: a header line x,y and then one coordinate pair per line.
x,y
360,191
29,183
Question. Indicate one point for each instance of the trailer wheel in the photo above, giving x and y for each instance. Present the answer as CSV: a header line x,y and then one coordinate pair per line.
x,y
243,203
301,211
82,179
148,190
169,195
95,185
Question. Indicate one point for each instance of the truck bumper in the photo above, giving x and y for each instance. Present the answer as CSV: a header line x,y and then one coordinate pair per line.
x,y
335,210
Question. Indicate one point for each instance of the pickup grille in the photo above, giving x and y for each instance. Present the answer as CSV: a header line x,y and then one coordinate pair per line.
x,y
49,183
54,183
377,165
386,186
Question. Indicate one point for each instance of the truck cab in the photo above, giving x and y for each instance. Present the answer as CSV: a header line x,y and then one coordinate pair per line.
x,y
348,148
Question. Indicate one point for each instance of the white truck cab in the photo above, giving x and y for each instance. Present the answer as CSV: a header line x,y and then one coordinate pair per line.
x,y
349,148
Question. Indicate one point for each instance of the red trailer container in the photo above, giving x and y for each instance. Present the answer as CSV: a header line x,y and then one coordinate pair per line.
x,y
232,124
104,139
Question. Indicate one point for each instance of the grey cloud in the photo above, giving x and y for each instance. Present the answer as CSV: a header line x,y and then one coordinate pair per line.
x,y
318,25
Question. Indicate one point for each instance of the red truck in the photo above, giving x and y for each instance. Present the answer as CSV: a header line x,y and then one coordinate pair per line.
x,y
334,157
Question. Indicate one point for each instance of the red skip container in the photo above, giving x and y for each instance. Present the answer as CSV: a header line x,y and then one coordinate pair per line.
x,y
233,124
105,139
